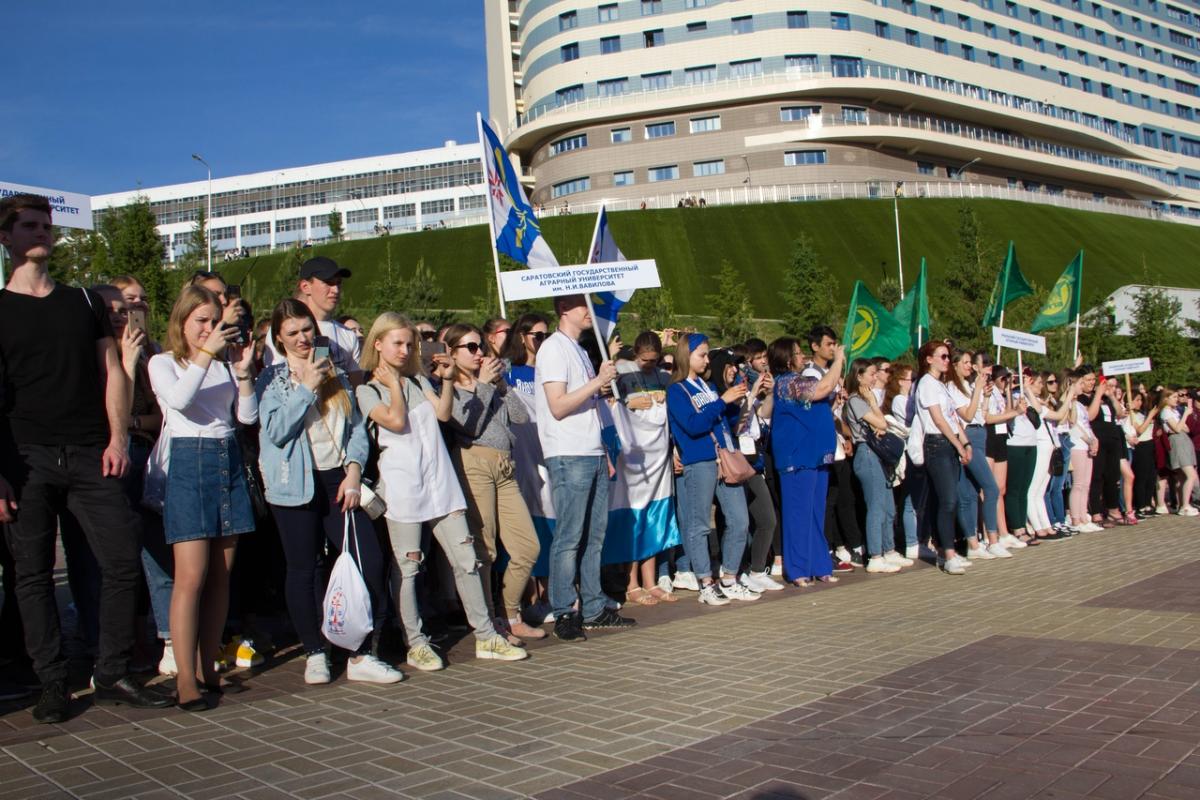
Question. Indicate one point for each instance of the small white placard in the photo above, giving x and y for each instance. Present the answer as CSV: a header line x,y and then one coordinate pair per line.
x,y
1019,340
609,276
67,209
1126,366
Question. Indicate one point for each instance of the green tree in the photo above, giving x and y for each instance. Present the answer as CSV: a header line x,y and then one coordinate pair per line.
x,y
134,248
80,258
1156,333
655,310
335,225
808,290
958,301
888,292
486,304
419,297
1098,339
195,256
732,307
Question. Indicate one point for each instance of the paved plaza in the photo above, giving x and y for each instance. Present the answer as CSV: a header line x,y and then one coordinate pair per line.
x,y
1070,671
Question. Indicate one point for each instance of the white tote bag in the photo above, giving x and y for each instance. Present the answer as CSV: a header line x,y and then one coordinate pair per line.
x,y
154,480
347,618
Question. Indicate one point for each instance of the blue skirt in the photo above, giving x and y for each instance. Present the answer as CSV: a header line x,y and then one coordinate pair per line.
x,y
206,490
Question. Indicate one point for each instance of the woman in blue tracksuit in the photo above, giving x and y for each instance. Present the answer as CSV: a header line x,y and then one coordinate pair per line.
x,y
697,416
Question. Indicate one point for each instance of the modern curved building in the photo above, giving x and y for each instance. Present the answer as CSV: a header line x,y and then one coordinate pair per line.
x,y
644,98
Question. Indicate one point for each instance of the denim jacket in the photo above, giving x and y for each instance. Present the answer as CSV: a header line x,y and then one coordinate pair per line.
x,y
285,455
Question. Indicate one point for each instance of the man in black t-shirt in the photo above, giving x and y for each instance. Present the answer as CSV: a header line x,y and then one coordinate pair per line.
x,y
65,418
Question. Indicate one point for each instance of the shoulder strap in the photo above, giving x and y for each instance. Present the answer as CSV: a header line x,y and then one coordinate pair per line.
x,y
87,297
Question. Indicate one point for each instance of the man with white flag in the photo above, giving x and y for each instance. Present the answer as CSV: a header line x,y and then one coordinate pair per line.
x,y
606,305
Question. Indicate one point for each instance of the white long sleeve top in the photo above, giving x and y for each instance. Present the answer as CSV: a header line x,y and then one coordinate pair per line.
x,y
198,402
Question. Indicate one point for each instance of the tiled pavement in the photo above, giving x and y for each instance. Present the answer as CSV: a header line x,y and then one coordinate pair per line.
x,y
1071,671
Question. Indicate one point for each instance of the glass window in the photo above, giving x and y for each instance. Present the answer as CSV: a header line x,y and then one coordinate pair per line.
x,y
653,38
854,115
400,212
437,207
881,30
704,124
989,30
697,27
797,19
657,130
941,46
656,174
352,216
313,223
608,12
571,94
613,87
801,64
936,14
695,3
1014,37
569,52
968,52
1018,65
994,60
264,228
620,135
567,21
743,24
1058,23
1064,78
912,38
655,81
561,189
801,158
1011,10
577,142
964,22
697,75
745,69
624,178
703,169
610,44
798,113
472,202
846,66
651,7
1085,84
839,22
924,168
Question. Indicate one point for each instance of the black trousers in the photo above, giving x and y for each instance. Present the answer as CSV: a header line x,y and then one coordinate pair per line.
x,y
761,506
46,480
1145,474
841,508
1105,491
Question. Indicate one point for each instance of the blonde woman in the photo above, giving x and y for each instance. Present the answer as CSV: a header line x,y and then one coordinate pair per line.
x,y
1181,455
418,481
207,503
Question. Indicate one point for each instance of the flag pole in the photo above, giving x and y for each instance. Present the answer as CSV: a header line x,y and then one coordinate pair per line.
x,y
1078,314
1001,325
899,254
587,296
491,222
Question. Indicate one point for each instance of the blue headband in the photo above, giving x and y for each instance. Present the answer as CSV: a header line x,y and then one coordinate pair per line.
x,y
695,340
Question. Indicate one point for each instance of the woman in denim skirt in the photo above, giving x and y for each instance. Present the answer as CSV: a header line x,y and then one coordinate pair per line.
x,y
207,503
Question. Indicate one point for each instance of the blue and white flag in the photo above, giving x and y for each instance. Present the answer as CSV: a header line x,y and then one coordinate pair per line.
x,y
606,306
513,222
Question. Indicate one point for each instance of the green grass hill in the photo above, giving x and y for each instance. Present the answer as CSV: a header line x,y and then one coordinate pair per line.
x,y
856,239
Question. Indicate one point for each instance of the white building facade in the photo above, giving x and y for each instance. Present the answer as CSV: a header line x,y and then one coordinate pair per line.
x,y
628,99
402,192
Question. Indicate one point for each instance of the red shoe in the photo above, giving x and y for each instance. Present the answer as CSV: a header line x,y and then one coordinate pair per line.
x,y
843,566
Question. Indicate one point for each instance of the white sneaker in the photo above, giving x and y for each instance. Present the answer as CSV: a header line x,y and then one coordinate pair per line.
x,y
423,657
998,551
892,557
686,580
954,565
841,554
316,669
761,582
166,666
879,564
1012,542
736,591
497,648
912,552
370,669
978,553
1160,510
709,595
777,568
1188,511
1090,527
665,584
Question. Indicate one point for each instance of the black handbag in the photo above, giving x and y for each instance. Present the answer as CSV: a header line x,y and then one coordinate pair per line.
x,y
1058,465
889,447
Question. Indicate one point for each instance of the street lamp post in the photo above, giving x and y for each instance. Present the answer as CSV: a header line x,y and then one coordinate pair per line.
x,y
208,214
746,161
963,168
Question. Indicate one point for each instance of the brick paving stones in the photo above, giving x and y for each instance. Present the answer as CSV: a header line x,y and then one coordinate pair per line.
x,y
1069,671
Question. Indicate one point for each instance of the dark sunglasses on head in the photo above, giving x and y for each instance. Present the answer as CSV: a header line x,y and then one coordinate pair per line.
x,y
538,336
202,275
471,347
429,336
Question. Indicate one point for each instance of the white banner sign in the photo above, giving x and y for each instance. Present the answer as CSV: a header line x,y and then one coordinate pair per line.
x,y
68,209
1127,366
611,276
1019,340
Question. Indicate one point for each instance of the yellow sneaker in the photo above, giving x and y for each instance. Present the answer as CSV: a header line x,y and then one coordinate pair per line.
x,y
241,652
497,648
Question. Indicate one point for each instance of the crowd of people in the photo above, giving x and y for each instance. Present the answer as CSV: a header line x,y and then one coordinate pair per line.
x,y
472,471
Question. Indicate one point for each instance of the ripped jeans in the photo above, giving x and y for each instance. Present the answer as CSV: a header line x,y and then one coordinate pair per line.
x,y
459,546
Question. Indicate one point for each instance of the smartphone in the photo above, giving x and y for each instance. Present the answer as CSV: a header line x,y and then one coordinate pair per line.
x,y
137,319
320,347
232,292
428,351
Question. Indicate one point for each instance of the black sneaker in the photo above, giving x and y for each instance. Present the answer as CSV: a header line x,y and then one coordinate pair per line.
x,y
52,705
567,628
609,619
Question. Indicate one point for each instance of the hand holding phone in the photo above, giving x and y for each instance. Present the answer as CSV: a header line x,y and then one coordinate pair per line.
x,y
137,319
320,348
428,351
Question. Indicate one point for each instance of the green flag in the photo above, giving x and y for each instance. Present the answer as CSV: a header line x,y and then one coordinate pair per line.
x,y
913,311
1062,305
1010,284
871,330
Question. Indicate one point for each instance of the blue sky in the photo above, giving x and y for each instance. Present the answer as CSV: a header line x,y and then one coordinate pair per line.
x,y
109,95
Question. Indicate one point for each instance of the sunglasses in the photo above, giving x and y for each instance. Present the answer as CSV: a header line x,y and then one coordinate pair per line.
x,y
470,347
202,275
1052,382
429,336
943,357
538,336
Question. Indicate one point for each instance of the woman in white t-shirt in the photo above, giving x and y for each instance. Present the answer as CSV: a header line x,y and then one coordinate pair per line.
x,y
418,481
1022,462
946,447
207,502
1050,412
1084,447
965,380
1139,432
1173,411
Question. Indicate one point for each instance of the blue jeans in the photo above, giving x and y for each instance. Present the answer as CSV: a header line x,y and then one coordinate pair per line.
x,y
881,506
579,488
695,490
157,561
975,477
1055,508
942,469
